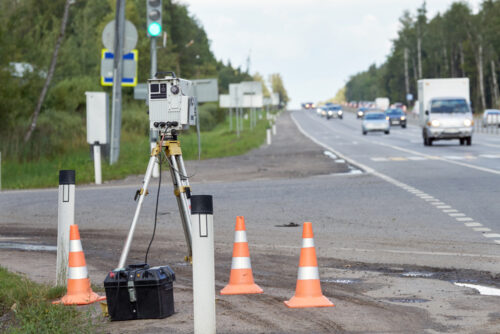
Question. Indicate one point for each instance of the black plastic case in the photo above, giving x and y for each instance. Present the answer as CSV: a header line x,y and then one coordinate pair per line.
x,y
140,292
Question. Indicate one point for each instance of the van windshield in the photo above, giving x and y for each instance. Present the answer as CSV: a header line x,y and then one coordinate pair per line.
x,y
449,106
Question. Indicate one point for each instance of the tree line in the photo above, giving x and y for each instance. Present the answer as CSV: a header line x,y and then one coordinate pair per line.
x,y
28,34
456,43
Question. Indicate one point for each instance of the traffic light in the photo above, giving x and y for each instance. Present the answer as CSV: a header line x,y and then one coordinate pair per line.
x,y
154,17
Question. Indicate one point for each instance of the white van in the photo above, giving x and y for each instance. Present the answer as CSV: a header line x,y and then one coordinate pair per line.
x,y
445,111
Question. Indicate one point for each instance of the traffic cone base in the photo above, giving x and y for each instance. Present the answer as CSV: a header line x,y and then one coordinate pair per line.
x,y
79,291
303,302
82,298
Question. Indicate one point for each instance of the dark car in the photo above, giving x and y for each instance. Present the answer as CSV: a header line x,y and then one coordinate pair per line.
x,y
308,105
396,116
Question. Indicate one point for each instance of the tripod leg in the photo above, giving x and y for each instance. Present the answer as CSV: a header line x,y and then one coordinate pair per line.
x,y
182,200
143,191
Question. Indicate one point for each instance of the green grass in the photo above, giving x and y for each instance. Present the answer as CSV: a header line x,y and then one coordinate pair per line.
x,y
134,155
33,310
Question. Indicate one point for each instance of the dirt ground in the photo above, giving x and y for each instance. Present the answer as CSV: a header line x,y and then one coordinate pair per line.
x,y
369,298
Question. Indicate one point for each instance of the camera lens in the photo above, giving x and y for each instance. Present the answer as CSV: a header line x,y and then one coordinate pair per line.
x,y
174,90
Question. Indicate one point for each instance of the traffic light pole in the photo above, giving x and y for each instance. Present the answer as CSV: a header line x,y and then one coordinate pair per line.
x,y
116,116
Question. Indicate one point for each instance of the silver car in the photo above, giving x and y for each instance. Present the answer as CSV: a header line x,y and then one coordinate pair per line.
x,y
491,117
375,121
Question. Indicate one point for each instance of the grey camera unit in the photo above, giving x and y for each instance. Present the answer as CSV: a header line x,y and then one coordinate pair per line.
x,y
171,103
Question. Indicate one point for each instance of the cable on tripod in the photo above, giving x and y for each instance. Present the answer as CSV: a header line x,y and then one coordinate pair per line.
x,y
156,208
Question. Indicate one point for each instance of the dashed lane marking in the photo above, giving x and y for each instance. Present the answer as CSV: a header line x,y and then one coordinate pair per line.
x,y
444,157
481,229
430,199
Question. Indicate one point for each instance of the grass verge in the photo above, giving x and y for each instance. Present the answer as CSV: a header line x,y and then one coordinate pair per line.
x,y
25,307
134,156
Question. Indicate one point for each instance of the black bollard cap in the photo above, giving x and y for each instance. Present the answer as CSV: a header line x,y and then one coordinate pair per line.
x,y
66,177
202,204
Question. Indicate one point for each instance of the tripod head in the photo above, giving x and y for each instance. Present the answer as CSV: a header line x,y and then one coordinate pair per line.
x,y
168,130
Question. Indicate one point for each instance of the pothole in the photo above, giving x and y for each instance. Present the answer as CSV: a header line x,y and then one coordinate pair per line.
x,y
290,224
341,280
417,274
408,300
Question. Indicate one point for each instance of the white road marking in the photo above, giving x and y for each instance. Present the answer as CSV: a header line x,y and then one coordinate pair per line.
x,y
421,194
443,207
490,156
12,238
417,158
481,229
463,164
483,290
492,235
379,159
464,219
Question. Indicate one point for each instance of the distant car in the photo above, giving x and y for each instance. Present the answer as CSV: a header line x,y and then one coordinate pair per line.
x,y
323,111
308,105
375,121
399,105
361,112
334,111
396,116
491,117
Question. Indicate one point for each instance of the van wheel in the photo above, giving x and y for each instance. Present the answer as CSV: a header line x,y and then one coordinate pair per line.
x,y
364,133
386,132
462,141
430,140
469,141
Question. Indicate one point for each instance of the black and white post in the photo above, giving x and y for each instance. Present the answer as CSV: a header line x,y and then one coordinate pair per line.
x,y
65,218
203,264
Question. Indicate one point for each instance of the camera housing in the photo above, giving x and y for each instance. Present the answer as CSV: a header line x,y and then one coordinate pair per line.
x,y
171,102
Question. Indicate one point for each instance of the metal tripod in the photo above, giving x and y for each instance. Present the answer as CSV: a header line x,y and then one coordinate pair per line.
x,y
182,191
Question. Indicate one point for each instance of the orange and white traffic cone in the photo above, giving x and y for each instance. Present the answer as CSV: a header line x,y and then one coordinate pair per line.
x,y
308,291
241,277
79,291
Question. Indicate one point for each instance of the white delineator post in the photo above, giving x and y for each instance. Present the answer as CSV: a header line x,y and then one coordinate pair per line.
x,y
268,131
203,264
97,163
274,129
65,218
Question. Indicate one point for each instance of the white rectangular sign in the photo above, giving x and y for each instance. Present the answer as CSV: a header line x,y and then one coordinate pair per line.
x,y
206,90
252,101
251,87
225,101
97,117
275,97
235,95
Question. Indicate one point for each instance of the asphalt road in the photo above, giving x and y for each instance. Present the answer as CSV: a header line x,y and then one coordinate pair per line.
x,y
430,210
459,185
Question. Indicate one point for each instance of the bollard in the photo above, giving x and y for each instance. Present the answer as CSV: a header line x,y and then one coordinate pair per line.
x,y
97,163
65,218
274,129
268,136
203,264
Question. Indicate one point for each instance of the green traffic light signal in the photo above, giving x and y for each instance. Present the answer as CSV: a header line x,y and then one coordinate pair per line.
x,y
154,29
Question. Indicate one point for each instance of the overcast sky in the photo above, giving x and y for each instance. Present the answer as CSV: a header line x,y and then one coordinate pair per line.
x,y
315,44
